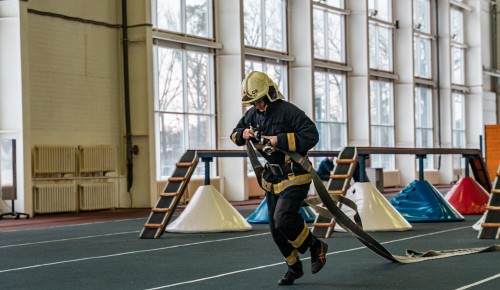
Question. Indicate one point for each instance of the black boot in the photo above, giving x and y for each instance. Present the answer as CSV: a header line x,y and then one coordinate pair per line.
x,y
318,256
294,272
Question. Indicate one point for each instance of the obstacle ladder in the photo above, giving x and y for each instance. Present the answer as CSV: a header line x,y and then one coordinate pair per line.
x,y
338,184
490,228
162,213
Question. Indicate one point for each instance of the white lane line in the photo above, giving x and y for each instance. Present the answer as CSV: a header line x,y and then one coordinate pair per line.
x,y
129,253
479,282
275,264
74,225
67,239
247,270
426,235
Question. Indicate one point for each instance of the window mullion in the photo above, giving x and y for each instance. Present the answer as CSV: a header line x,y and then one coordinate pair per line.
x,y
183,17
263,21
325,38
185,102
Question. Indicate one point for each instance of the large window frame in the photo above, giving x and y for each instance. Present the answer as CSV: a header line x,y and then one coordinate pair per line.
x,y
264,19
457,46
423,76
330,108
422,39
382,129
184,78
277,71
381,64
329,31
458,51
381,35
180,17
458,119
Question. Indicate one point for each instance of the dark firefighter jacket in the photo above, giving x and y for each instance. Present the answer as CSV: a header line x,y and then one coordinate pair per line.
x,y
296,133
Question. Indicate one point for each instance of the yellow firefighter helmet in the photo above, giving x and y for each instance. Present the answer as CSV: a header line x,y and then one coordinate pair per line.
x,y
256,85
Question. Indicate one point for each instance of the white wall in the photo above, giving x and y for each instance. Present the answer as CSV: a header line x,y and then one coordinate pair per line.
x,y
69,84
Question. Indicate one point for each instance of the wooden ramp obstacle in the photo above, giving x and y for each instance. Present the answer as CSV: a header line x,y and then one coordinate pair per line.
x,y
490,228
338,184
162,213
480,171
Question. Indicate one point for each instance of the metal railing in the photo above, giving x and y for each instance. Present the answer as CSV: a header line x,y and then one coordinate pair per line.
x,y
473,157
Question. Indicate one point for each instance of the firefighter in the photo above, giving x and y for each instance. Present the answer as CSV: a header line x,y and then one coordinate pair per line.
x,y
274,123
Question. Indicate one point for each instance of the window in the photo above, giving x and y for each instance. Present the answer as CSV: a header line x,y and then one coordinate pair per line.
x,y
458,119
330,110
380,42
458,127
264,31
422,15
184,104
329,31
422,39
422,43
382,121
423,121
457,46
192,17
265,24
380,35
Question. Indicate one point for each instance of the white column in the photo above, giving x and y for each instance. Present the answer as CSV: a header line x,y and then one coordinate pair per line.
x,y
300,34
473,75
404,96
358,100
230,72
446,164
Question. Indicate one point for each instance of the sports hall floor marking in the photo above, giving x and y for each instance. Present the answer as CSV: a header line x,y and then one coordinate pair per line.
x,y
479,282
206,242
306,258
67,239
74,225
129,253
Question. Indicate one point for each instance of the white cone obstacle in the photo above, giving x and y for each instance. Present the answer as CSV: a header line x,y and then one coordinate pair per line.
x,y
376,212
208,211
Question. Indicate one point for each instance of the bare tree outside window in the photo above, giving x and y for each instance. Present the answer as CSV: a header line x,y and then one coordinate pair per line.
x,y
184,16
329,38
264,24
330,110
380,47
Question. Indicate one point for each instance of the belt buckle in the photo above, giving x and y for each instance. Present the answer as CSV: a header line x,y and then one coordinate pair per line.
x,y
276,169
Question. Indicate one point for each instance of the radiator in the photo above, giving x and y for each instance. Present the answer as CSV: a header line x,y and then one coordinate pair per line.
x,y
96,195
432,176
97,158
54,198
54,159
391,178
